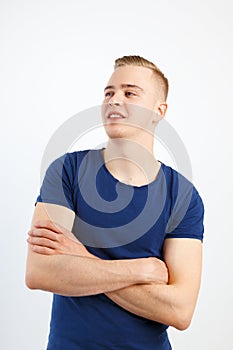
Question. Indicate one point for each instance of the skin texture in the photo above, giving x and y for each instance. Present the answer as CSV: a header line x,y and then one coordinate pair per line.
x,y
140,106
59,263
162,291
167,301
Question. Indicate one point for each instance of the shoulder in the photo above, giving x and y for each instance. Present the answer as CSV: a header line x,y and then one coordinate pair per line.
x,y
186,206
74,165
78,156
178,184
71,159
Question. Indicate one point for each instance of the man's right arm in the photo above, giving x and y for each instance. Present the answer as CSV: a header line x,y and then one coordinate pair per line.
x,y
72,275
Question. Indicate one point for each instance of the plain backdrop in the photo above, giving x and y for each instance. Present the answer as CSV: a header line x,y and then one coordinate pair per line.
x,y
55,59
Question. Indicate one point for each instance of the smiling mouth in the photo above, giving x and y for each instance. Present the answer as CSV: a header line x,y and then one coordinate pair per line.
x,y
115,116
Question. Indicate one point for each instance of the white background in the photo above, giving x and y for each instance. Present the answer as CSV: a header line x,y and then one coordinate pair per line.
x,y
55,59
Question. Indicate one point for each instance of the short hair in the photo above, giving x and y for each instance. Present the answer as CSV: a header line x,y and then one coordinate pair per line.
x,y
142,62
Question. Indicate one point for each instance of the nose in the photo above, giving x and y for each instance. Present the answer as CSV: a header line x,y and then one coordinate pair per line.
x,y
114,103
116,100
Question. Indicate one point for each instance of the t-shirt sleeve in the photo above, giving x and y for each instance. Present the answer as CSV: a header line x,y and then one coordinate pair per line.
x,y
187,218
57,184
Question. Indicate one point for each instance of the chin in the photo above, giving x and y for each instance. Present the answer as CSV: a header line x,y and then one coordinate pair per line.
x,y
115,131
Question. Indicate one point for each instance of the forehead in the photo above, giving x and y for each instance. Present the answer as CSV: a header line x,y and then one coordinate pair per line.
x,y
133,75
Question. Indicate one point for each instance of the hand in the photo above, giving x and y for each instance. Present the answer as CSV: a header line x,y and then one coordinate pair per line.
x,y
49,238
154,270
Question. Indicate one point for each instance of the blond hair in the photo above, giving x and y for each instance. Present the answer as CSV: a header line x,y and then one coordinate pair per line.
x,y
142,62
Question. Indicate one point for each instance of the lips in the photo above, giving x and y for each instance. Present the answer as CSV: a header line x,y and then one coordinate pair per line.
x,y
115,115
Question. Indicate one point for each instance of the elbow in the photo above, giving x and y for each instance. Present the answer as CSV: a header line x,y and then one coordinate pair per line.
x,y
31,282
182,320
34,279
36,284
176,318
36,272
182,324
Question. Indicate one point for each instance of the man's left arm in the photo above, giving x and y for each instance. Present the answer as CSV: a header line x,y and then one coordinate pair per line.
x,y
173,303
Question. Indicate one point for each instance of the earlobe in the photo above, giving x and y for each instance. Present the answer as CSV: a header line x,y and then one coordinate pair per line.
x,y
162,108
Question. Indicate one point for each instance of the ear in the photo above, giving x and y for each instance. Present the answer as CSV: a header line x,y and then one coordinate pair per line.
x,y
160,111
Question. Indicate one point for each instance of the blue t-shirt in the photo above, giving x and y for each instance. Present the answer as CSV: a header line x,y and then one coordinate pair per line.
x,y
116,221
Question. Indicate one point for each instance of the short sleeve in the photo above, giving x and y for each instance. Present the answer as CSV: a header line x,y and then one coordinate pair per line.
x,y
57,183
187,218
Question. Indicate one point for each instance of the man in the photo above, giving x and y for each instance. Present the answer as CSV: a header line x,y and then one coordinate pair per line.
x,y
131,266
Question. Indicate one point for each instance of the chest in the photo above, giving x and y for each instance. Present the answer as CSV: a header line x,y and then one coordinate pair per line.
x,y
132,225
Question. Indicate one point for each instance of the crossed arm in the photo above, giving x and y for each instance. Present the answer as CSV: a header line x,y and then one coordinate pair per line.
x,y
59,263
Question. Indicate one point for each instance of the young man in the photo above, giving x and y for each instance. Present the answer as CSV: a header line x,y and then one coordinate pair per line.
x,y
131,266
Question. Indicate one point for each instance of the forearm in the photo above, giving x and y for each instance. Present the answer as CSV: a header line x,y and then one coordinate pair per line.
x,y
173,303
135,285
78,276
157,302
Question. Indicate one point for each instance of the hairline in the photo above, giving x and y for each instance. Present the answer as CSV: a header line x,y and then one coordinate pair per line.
x,y
155,74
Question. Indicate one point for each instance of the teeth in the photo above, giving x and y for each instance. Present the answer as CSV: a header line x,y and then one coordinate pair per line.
x,y
115,116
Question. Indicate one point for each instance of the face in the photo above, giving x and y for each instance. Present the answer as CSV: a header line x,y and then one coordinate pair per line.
x,y
131,102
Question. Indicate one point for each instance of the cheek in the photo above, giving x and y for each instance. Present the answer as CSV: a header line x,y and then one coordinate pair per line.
x,y
139,111
103,108
149,103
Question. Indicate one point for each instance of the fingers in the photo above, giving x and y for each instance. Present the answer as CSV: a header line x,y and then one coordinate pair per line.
x,y
45,238
48,239
45,233
43,250
50,225
54,227
40,241
43,241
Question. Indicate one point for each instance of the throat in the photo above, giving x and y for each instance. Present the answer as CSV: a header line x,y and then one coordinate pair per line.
x,y
134,171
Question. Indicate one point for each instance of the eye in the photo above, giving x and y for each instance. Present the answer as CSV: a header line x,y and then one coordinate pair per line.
x,y
129,94
108,94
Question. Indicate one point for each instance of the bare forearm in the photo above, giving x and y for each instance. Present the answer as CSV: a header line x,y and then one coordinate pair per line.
x,y
145,301
79,276
158,302
135,285
171,303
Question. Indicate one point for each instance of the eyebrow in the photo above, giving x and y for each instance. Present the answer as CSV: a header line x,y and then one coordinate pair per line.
x,y
125,86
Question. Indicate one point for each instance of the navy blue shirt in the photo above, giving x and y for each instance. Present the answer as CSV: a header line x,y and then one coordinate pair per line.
x,y
116,221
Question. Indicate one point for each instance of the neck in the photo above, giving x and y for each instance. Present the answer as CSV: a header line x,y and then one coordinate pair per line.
x,y
131,162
